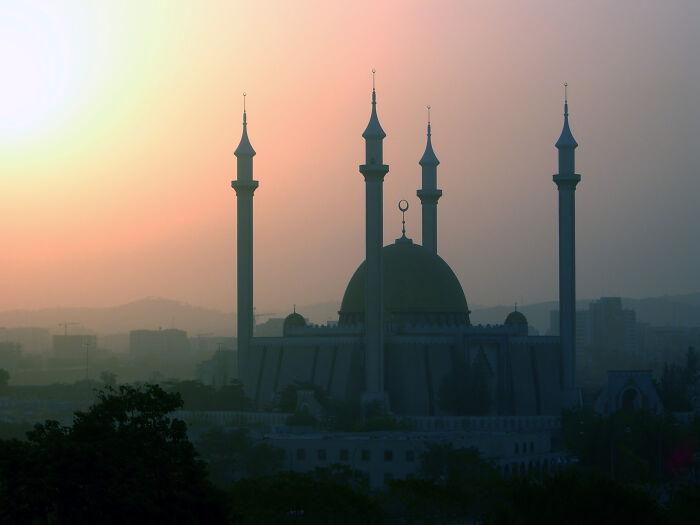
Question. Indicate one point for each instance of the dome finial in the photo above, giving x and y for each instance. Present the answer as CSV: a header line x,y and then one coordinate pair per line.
x,y
566,100
244,118
403,208
516,306
374,93
295,308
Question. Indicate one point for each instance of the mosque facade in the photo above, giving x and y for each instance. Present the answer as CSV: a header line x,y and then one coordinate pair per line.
x,y
404,337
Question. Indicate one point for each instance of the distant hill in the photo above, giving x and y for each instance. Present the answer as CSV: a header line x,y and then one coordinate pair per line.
x,y
152,313
149,313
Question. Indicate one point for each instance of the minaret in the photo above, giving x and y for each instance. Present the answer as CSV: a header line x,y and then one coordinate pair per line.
x,y
429,194
566,181
244,186
374,171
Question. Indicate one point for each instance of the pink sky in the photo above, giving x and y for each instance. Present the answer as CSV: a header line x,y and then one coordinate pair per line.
x,y
119,125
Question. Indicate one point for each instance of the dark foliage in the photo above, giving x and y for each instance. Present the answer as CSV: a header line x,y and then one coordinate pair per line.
x,y
123,460
634,446
321,497
4,379
198,396
677,383
575,499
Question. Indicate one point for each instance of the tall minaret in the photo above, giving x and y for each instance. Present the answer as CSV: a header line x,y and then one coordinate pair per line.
x,y
244,186
374,171
429,194
566,181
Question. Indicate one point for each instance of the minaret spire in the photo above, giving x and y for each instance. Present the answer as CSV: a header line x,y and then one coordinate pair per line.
x,y
374,171
245,187
429,193
566,181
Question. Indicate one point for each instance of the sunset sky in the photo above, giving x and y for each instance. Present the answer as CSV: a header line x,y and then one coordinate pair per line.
x,y
118,122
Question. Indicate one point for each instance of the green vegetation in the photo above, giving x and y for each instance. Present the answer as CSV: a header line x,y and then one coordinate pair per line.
x,y
633,446
198,396
233,455
4,380
321,497
678,383
122,460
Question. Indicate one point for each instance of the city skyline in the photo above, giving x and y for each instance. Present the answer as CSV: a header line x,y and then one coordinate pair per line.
x,y
127,196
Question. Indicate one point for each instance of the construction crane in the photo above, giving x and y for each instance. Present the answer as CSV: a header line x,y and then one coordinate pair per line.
x,y
65,326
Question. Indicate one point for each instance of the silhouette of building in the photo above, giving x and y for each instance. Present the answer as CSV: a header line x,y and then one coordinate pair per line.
x,y
611,325
404,324
33,339
604,325
629,390
73,347
220,370
159,344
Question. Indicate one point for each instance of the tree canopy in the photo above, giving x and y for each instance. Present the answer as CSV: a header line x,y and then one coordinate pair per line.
x,y
121,460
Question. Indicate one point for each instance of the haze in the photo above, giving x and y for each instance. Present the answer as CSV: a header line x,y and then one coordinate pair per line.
x,y
120,121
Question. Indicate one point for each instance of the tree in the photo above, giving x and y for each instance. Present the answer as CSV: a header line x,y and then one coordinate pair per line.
x,y
673,388
4,379
233,397
319,497
576,498
691,372
122,460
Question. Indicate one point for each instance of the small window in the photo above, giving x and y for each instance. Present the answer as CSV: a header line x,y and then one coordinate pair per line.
x,y
344,454
524,448
322,454
532,447
301,453
388,455
365,454
388,476
410,456
516,448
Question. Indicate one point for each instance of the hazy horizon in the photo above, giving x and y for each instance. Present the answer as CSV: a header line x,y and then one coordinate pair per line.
x,y
117,132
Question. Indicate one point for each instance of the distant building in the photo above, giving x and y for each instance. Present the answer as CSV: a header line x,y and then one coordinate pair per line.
x,y
667,343
204,346
611,326
73,347
160,344
629,390
604,325
270,328
10,354
220,370
32,338
385,456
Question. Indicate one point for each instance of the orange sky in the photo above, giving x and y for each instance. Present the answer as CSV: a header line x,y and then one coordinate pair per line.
x,y
118,125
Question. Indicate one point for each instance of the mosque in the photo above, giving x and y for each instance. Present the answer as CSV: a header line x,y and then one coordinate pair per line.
x,y
403,329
